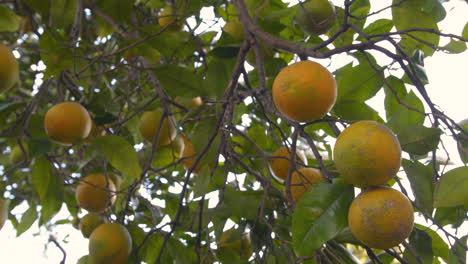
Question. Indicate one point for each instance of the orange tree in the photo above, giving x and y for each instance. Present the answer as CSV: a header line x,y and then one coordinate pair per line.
x,y
118,62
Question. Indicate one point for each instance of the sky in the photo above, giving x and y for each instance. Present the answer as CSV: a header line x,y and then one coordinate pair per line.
x,y
448,88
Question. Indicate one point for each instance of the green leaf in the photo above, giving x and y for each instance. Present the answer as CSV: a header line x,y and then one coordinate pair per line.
x,y
201,137
320,215
177,80
9,21
63,12
410,14
455,46
454,216
465,31
451,189
458,253
180,253
420,178
354,110
378,27
358,83
242,203
418,139
120,154
439,247
218,76
421,243
202,182
49,186
27,220
405,115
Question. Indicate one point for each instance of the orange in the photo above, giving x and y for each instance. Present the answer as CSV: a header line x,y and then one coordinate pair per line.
x,y
189,156
95,193
3,211
239,243
89,222
235,29
150,123
168,16
302,180
9,69
196,102
110,243
316,16
17,155
279,164
67,123
304,91
367,153
381,217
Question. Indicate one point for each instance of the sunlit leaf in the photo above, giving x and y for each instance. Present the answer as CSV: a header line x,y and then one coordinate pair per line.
x,y
451,189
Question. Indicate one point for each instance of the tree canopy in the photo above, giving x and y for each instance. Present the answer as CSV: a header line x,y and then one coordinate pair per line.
x,y
209,91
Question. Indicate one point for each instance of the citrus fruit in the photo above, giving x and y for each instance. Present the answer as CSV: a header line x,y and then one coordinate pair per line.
x,y
109,243
235,29
280,161
67,123
381,217
3,211
367,153
189,156
316,16
17,155
239,243
302,180
304,91
95,193
168,16
149,126
9,69
89,222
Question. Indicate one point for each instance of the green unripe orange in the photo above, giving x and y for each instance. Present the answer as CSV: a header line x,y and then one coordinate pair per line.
x,y
90,222
316,16
149,125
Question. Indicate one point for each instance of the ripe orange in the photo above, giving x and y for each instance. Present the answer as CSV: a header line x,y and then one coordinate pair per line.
x,y
95,193
302,180
316,16
279,164
149,126
381,217
168,16
367,153
3,211
110,243
239,243
67,123
89,222
189,156
9,69
304,91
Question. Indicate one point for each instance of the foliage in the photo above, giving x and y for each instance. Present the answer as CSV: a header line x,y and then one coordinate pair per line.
x,y
115,59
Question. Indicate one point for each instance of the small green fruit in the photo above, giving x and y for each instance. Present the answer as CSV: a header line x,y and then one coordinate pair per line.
x,y
89,222
316,16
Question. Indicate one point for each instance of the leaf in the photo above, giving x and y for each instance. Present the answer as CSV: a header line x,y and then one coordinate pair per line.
x,y
455,46
358,83
242,203
420,178
454,216
411,14
218,76
9,21
451,189
320,215
177,80
28,218
418,139
202,182
378,27
458,253
49,186
353,110
439,247
63,12
120,154
405,115
465,31
421,243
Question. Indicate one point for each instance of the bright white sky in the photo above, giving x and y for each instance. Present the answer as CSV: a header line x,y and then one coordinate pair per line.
x,y
448,88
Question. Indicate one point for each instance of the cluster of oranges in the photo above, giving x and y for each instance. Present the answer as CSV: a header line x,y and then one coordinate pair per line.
x,y
367,154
